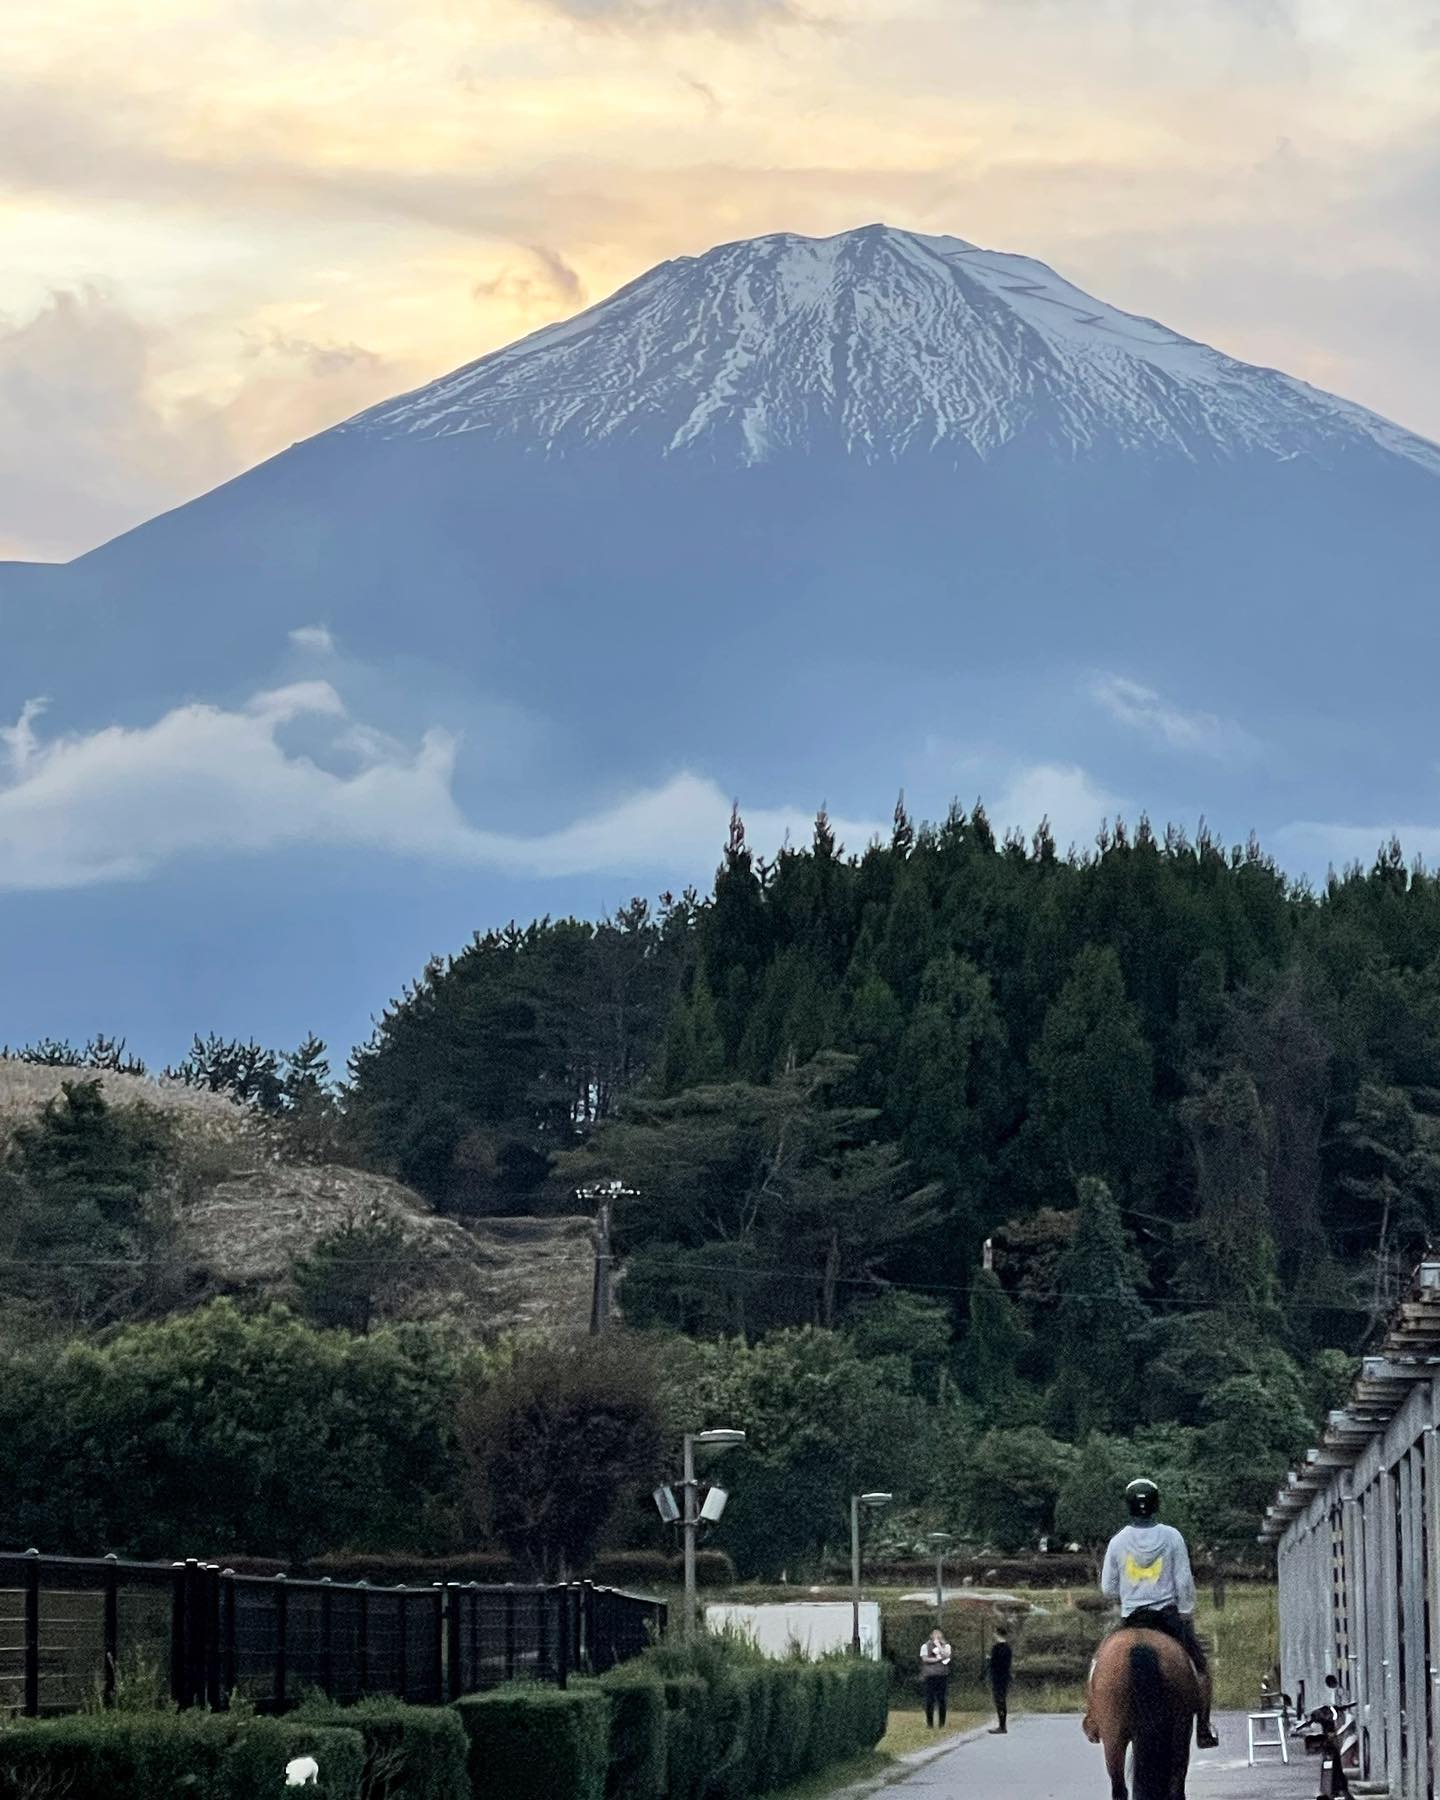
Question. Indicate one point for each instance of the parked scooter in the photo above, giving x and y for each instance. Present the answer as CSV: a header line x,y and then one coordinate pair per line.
x,y
1320,1729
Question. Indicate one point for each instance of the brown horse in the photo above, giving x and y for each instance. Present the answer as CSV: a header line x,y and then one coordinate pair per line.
x,y
1143,1695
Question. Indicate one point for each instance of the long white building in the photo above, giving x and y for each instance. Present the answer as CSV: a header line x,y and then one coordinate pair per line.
x,y
1357,1536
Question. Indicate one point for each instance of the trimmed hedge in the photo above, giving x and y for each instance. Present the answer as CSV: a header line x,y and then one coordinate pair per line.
x,y
637,1768
688,1737
156,1756
536,1743
411,1752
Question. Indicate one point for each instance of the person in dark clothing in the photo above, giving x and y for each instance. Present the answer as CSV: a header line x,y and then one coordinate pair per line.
x,y
935,1656
997,1666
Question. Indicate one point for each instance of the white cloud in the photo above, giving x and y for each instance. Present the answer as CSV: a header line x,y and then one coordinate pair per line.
x,y
1143,709
120,803
1075,804
19,739
1314,846
313,637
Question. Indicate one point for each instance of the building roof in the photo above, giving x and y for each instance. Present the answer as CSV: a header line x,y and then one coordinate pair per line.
x,y
1408,1352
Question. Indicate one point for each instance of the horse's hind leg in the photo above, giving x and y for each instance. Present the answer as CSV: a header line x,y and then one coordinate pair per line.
x,y
1115,1768
1180,1762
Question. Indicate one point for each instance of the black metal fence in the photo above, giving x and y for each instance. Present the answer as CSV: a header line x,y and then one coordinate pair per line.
x,y
76,1633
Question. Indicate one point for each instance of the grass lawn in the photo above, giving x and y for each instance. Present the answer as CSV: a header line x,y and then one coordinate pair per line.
x,y
908,1730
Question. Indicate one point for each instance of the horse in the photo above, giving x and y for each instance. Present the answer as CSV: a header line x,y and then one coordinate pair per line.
x,y
1143,1697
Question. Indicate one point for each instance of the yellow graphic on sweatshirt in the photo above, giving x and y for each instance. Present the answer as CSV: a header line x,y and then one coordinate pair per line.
x,y
1138,1572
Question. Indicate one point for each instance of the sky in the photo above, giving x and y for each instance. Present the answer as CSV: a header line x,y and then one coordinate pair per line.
x,y
229,226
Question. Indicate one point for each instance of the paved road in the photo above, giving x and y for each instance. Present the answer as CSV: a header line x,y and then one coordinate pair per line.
x,y
1046,1757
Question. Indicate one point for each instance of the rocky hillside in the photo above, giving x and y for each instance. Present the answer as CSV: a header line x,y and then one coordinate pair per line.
x,y
244,1215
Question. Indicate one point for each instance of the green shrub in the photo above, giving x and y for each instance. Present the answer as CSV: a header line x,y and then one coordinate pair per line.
x,y
134,1757
536,1743
869,1704
632,1568
758,1686
688,1737
637,1735
713,1568
411,1752
729,1773
260,1748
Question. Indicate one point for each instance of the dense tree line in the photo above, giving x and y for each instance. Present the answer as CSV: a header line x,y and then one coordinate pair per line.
x,y
1027,1169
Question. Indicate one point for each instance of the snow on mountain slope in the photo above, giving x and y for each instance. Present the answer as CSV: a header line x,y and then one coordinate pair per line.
x,y
882,343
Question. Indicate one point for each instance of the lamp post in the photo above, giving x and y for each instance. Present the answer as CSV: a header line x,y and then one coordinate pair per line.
x,y
714,1441
856,1502
939,1542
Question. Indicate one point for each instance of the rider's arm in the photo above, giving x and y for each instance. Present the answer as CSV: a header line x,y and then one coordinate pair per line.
x,y
1184,1577
1110,1573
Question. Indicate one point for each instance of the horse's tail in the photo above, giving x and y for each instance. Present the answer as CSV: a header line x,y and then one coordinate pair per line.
x,y
1151,1727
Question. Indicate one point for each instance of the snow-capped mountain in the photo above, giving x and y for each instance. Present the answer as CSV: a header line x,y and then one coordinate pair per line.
x,y
797,520
883,343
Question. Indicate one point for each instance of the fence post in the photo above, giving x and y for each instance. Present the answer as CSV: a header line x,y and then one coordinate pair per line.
x,y
436,1696
404,1644
177,1635
509,1632
195,1620
327,1661
562,1636
363,1644
587,1628
214,1683
454,1649
32,1634
228,1671
112,1625
282,1615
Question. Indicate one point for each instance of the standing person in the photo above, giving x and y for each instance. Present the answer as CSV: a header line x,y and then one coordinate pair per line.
x,y
997,1666
935,1656
1147,1569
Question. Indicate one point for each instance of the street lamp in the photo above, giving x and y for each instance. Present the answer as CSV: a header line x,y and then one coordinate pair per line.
x,y
939,1542
856,1502
715,1442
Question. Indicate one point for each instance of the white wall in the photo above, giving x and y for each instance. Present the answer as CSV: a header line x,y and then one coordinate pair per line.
x,y
812,1628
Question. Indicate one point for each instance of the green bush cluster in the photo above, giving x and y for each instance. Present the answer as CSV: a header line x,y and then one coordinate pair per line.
x,y
156,1756
713,1721
536,1743
411,1752
725,1724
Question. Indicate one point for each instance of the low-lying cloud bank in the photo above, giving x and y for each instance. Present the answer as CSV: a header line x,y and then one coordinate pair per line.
x,y
119,803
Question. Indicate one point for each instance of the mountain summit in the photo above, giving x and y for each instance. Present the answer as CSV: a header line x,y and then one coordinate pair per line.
x,y
798,520
882,343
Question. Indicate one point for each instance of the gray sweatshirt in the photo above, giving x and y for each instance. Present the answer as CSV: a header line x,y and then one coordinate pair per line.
x,y
1148,1566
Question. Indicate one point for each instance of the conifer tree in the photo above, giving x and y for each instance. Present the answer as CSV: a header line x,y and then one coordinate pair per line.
x,y
1100,1323
993,1345
1095,1078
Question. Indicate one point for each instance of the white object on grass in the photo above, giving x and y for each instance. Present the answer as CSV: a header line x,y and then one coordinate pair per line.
x,y
304,1771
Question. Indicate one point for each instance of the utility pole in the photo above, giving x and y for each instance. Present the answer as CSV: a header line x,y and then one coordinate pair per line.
x,y
600,1298
690,1528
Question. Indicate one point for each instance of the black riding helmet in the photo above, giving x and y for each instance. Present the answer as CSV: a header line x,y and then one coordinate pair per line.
x,y
1143,1499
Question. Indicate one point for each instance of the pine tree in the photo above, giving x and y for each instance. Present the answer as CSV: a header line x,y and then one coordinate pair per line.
x,y
993,1345
356,1270
1095,1078
1101,1321
1230,1265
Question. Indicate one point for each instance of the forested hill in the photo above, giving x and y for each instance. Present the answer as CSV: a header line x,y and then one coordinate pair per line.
x,y
965,1169
840,1071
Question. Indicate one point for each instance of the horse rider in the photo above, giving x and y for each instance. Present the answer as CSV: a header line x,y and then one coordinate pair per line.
x,y
1147,1569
